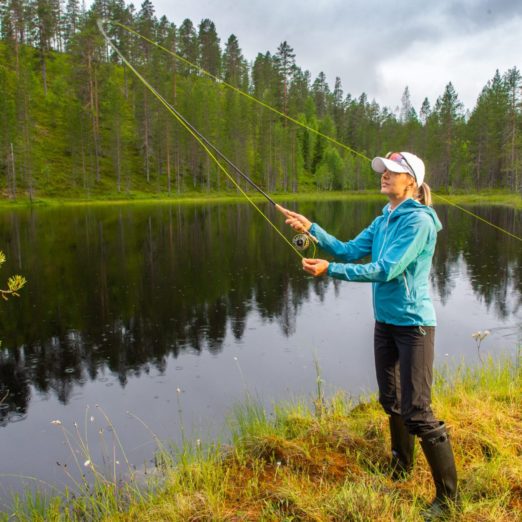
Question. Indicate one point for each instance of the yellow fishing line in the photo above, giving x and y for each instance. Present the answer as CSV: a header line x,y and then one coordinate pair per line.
x,y
239,91
478,217
199,140
282,114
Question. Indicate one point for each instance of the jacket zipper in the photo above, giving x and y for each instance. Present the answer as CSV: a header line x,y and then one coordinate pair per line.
x,y
406,284
385,236
378,257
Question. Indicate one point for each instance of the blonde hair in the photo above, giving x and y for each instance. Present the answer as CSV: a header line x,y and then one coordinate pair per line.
x,y
424,195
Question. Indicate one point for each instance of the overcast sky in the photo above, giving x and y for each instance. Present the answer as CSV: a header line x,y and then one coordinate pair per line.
x,y
375,46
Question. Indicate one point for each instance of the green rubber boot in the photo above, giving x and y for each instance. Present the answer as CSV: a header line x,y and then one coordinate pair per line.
x,y
437,449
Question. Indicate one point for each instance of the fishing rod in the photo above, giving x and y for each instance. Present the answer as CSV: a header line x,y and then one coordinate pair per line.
x,y
301,241
294,120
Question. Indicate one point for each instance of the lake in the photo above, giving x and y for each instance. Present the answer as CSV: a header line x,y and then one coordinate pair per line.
x,y
155,320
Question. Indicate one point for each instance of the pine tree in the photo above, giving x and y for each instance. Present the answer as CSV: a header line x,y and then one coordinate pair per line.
x,y
71,20
284,62
147,26
236,119
321,90
188,46
338,104
88,48
45,23
513,136
209,50
233,62
407,112
486,129
425,111
299,91
447,117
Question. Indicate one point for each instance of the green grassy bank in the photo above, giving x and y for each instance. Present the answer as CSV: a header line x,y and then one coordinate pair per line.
x,y
480,198
325,462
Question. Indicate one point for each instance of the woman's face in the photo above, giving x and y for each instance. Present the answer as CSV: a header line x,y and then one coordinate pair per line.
x,y
396,185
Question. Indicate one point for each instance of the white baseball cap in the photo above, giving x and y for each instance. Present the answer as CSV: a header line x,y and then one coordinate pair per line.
x,y
401,162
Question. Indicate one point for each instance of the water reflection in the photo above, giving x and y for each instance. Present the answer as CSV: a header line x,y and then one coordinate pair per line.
x,y
122,289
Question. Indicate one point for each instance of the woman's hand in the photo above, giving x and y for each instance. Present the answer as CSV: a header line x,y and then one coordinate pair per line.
x,y
316,267
298,222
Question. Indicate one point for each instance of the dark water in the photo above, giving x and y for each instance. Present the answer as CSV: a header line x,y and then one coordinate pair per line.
x,y
126,305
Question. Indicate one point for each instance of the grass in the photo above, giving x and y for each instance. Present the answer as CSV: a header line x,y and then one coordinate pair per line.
x,y
488,197
328,463
115,198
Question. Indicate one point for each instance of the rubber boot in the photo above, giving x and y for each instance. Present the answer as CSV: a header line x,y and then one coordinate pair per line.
x,y
437,449
402,444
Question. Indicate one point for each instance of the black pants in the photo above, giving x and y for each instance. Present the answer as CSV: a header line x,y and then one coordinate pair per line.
x,y
404,366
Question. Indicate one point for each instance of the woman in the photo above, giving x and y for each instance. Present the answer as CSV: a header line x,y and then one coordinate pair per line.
x,y
401,242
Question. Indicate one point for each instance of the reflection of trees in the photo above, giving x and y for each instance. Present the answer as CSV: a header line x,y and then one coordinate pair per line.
x,y
121,290
491,259
14,387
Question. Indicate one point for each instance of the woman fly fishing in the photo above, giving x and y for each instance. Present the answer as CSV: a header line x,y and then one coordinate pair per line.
x,y
401,243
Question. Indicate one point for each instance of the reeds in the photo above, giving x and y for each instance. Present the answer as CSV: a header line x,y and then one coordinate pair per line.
x,y
329,463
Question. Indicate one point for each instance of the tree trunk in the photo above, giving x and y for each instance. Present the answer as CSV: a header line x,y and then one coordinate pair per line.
x,y
13,173
28,175
146,131
178,180
93,102
118,155
167,146
43,63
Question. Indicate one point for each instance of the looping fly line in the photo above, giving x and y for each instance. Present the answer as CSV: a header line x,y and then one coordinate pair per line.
x,y
205,144
266,106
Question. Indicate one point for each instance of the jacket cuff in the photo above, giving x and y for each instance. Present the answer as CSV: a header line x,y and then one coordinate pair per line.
x,y
313,229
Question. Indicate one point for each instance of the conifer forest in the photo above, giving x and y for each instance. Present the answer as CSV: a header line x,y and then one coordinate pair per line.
x,y
76,122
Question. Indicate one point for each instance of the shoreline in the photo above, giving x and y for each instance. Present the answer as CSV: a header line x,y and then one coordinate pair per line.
x,y
322,460
500,198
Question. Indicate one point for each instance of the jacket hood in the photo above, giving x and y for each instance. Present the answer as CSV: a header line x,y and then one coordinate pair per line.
x,y
411,205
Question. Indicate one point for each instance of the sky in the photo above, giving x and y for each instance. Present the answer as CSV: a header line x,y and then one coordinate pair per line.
x,y
375,46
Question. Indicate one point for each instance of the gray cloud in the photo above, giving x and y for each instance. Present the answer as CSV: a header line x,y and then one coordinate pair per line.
x,y
359,40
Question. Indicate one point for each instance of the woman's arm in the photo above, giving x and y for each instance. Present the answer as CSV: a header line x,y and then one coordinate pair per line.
x,y
352,250
396,256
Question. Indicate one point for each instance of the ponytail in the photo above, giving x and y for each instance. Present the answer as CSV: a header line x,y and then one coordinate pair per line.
x,y
424,195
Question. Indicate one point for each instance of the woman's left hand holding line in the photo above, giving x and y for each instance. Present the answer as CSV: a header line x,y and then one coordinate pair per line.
x,y
316,267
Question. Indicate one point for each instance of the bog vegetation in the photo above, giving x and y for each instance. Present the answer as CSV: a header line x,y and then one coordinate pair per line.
x,y
76,122
328,462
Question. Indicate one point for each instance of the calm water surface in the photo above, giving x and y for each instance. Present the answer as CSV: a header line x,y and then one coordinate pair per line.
x,y
126,305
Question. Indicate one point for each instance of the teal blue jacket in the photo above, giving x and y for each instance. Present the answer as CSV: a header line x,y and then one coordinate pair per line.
x,y
401,243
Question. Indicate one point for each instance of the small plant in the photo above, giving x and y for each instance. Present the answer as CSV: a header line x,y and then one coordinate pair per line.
x,y
319,401
479,337
14,283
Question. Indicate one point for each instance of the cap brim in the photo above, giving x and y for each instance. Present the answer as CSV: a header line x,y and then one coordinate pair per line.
x,y
379,165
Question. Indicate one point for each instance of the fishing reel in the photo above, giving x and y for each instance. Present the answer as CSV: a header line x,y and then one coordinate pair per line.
x,y
301,242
